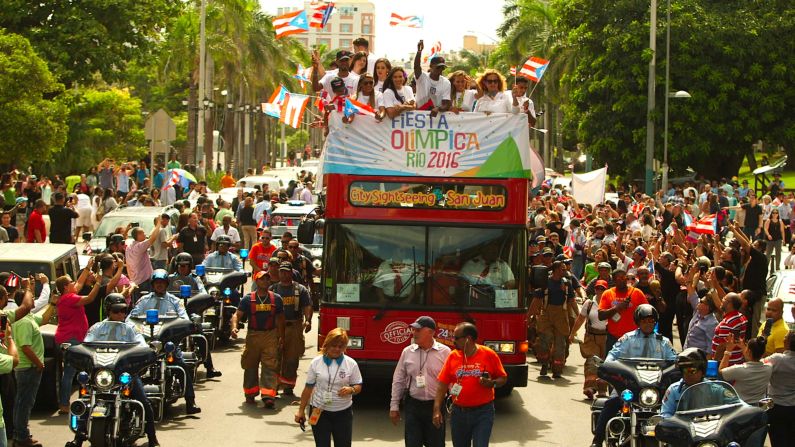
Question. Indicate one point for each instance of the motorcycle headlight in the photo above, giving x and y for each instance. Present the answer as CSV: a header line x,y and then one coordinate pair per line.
x,y
317,263
649,397
708,444
103,379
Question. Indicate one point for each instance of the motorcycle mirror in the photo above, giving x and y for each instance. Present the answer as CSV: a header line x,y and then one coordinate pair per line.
x,y
65,346
156,345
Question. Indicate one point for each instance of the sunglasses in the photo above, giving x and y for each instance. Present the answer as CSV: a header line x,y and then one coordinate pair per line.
x,y
459,337
492,81
690,370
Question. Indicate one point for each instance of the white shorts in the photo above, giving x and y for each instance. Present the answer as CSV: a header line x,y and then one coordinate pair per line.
x,y
85,218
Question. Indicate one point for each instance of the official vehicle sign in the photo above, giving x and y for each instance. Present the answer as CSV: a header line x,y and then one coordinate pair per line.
x,y
396,332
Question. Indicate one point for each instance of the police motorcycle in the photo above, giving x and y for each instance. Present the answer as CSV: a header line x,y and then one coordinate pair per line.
x,y
225,286
165,381
104,413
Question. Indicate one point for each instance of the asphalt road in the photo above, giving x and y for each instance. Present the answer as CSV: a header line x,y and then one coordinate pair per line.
x,y
546,412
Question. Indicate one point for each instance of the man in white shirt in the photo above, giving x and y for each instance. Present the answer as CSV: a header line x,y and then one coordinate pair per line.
x,y
343,72
363,45
433,89
525,103
487,268
227,230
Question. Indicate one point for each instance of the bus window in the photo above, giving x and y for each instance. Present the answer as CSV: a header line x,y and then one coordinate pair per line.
x,y
474,267
377,264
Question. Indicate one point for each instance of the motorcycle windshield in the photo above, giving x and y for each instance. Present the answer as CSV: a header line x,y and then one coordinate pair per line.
x,y
708,395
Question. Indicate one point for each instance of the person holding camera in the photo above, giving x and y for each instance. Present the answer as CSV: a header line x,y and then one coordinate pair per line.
x,y
470,373
61,216
139,265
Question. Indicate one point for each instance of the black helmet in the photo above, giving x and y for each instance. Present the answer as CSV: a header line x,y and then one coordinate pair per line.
x,y
115,239
319,224
692,358
159,275
113,300
224,239
183,259
645,311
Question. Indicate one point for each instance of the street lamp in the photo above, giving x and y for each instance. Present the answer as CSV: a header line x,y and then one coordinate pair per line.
x,y
681,94
650,100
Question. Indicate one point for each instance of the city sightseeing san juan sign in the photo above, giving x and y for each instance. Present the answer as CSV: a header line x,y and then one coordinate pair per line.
x,y
415,144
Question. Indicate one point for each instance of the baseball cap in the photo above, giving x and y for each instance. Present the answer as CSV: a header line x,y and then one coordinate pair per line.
x,y
259,274
601,283
541,239
337,83
604,265
274,261
343,54
286,266
641,251
438,61
21,199
548,252
424,321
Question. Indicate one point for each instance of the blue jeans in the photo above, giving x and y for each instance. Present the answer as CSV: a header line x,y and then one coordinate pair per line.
x,y
28,380
472,426
578,265
67,380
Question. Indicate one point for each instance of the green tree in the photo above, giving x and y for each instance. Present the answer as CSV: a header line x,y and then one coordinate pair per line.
x,y
33,116
79,39
102,123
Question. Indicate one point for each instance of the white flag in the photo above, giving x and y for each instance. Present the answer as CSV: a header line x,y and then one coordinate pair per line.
x,y
589,187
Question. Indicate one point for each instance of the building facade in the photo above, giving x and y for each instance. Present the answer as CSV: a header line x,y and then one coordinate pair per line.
x,y
351,19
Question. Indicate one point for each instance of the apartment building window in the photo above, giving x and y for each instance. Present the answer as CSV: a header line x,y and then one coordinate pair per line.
x,y
346,27
326,42
366,29
345,43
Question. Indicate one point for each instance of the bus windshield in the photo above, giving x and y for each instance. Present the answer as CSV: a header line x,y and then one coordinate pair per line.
x,y
421,266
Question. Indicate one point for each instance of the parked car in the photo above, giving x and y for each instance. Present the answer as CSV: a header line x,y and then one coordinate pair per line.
x,y
144,216
53,260
287,216
780,285
274,183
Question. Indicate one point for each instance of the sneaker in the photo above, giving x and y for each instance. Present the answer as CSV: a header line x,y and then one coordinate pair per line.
x,y
269,403
544,370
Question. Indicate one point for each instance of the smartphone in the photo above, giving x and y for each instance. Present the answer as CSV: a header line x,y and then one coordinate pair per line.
x,y
134,225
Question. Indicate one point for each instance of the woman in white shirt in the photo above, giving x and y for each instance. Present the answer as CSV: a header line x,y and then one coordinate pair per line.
x,y
398,97
492,97
382,69
366,94
332,380
462,97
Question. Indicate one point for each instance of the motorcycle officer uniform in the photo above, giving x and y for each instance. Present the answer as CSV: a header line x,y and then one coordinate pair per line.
x,y
183,276
265,312
553,322
123,331
165,302
634,344
689,358
298,320
225,260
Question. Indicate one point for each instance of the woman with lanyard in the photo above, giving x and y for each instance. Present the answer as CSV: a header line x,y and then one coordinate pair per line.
x,y
331,382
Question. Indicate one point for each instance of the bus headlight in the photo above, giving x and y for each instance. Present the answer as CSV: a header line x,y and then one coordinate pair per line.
x,y
649,397
355,342
104,379
501,347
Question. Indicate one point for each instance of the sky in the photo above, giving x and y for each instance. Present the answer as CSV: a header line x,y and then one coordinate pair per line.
x,y
446,21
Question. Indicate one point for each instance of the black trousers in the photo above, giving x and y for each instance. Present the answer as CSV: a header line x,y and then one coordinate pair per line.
x,y
334,424
419,430
684,313
782,430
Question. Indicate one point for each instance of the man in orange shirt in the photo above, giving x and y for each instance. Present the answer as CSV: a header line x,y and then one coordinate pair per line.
x,y
471,372
227,181
617,306
261,252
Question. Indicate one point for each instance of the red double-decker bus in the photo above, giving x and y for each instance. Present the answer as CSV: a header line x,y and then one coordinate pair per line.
x,y
398,247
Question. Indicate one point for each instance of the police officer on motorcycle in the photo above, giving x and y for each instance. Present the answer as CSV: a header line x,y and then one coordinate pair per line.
x,y
693,364
165,302
115,328
222,258
643,342
184,276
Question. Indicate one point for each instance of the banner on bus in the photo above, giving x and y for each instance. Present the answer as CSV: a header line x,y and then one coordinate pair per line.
x,y
418,145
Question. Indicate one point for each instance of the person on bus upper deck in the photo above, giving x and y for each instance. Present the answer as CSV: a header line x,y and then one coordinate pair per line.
x,y
491,98
525,103
433,89
487,268
398,278
398,96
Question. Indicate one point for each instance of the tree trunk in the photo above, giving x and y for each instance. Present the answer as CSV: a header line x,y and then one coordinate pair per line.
x,y
749,154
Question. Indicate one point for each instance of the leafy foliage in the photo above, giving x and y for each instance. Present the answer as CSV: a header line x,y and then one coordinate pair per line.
x,y
31,111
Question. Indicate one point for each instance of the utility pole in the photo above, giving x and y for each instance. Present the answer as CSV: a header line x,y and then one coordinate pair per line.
x,y
199,156
650,106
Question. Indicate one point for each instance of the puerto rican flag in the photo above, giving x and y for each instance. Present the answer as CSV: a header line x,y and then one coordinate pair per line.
x,y
302,74
174,179
293,109
274,105
12,281
321,15
291,23
687,218
705,225
513,70
407,21
353,107
435,50
534,68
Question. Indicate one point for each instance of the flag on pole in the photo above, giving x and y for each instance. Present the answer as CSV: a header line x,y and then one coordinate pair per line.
x,y
705,225
274,105
293,109
513,70
650,266
302,74
435,50
321,15
353,107
407,21
174,179
291,23
534,68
